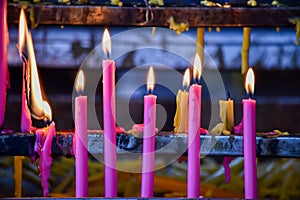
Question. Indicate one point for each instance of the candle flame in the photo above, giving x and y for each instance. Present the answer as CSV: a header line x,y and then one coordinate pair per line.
x,y
39,109
47,111
186,78
249,84
22,31
106,43
197,68
80,82
150,79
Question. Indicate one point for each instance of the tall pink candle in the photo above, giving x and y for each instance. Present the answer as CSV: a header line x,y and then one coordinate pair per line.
x,y
148,160
81,138
193,172
249,116
109,119
3,59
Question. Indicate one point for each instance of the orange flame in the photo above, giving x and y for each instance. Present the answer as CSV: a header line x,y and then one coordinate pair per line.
x,y
79,86
249,83
150,79
197,68
106,43
186,78
40,109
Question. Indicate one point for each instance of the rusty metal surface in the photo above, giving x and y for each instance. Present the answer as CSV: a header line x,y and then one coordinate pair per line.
x,y
283,146
136,16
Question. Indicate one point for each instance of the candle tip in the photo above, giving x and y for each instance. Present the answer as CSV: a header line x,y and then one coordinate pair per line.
x,y
106,43
79,86
150,80
249,83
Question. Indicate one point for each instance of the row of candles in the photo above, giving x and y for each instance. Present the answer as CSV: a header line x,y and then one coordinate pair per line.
x,y
190,99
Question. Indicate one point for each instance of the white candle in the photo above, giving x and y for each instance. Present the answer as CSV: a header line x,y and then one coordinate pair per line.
x,y
81,152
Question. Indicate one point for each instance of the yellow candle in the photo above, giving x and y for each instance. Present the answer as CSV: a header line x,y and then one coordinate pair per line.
x,y
200,44
18,175
182,98
227,115
245,50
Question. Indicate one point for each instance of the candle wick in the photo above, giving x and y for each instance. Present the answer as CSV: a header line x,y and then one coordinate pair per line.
x,y
228,95
108,56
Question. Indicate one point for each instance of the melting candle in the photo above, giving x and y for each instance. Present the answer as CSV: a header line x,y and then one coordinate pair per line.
x,y
81,138
182,99
249,117
193,172
109,120
148,159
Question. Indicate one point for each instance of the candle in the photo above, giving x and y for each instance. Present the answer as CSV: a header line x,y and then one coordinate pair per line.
x,y
249,116
181,119
109,119
148,160
193,173
81,153
3,59
227,115
26,124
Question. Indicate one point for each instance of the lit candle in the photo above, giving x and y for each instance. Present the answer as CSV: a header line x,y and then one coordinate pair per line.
x,y
193,172
26,124
81,153
249,116
227,115
109,119
148,160
182,102
3,59
40,109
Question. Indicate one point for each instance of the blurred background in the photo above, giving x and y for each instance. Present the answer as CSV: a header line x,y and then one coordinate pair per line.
x,y
62,50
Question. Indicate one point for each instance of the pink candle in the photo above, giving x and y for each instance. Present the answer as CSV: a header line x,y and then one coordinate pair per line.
x,y
148,160
3,59
81,137
26,124
193,173
109,119
249,116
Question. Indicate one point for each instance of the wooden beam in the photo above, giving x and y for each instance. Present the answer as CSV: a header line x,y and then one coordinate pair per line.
x,y
136,16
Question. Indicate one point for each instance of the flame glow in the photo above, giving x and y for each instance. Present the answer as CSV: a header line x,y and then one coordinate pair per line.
x,y
249,83
197,68
79,86
150,79
23,29
186,78
106,43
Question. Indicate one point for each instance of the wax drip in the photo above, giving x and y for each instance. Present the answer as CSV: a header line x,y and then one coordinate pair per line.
x,y
43,147
227,160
